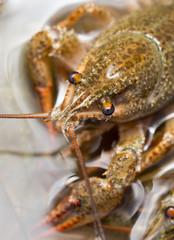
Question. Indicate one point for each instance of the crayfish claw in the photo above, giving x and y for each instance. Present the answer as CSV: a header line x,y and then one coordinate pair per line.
x,y
62,209
61,227
75,210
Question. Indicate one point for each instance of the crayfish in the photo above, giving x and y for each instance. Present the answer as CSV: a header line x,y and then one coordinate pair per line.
x,y
124,76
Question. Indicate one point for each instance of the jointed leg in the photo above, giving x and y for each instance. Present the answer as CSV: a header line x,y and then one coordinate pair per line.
x,y
166,143
98,12
89,133
127,155
60,45
42,48
108,193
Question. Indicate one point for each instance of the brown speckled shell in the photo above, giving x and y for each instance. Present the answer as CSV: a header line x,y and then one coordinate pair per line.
x,y
133,62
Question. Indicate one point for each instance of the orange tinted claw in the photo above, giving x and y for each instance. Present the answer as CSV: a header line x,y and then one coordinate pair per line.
x,y
50,128
46,98
75,210
46,101
63,208
65,216
62,227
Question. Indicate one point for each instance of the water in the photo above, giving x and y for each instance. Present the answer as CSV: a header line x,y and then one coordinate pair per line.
x,y
29,166
33,173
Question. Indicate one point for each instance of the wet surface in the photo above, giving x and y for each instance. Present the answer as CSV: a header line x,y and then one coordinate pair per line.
x,y
33,172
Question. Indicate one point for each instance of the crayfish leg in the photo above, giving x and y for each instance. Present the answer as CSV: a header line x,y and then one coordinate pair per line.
x,y
165,144
127,154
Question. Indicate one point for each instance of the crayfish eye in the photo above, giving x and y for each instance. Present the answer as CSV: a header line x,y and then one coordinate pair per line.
x,y
107,106
169,212
108,109
74,78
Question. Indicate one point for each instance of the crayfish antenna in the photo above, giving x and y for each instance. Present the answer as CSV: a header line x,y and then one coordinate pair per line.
x,y
99,233
26,115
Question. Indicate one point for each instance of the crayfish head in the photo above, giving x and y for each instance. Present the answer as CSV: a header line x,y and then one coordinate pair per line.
x,y
115,80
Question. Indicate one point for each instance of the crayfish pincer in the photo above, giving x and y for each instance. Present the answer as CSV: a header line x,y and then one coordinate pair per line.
x,y
126,76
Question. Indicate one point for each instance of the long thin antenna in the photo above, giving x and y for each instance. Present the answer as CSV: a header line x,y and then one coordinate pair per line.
x,y
83,168
24,116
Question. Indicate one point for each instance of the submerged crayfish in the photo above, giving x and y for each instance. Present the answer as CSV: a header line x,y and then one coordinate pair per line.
x,y
125,76
157,221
